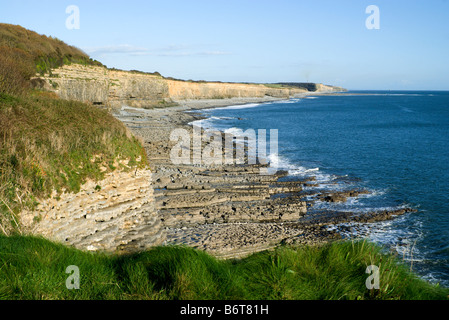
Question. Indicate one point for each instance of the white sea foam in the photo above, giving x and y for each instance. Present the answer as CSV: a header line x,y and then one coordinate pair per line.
x,y
293,100
284,163
209,123
254,105
234,107
373,193
203,123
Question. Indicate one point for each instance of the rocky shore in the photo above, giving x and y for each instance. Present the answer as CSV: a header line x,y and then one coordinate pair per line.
x,y
232,210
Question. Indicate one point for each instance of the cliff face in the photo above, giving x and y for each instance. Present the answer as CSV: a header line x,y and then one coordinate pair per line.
x,y
103,86
113,88
313,87
115,214
326,88
182,90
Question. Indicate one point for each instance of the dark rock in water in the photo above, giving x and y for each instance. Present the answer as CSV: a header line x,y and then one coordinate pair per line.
x,y
382,215
347,179
340,196
330,217
281,173
335,198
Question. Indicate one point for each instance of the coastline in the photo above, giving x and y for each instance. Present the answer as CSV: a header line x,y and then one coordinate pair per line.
x,y
231,211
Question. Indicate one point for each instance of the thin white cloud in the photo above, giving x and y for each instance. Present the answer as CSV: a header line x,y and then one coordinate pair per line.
x,y
191,53
168,51
123,48
215,53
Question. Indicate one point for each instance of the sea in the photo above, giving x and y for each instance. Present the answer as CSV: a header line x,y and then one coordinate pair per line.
x,y
395,144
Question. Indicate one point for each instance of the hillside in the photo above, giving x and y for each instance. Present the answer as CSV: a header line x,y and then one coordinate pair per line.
x,y
53,149
23,53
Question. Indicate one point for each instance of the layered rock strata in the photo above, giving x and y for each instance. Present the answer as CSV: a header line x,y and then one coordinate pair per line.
x,y
106,87
232,211
115,88
115,214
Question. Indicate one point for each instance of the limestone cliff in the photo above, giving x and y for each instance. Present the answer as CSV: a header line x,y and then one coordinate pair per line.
x,y
102,86
313,87
115,214
115,88
184,90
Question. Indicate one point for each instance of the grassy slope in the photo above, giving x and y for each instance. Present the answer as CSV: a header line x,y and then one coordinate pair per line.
x,y
47,143
45,52
32,268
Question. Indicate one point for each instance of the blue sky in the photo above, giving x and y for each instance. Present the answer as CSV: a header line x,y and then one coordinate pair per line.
x,y
257,40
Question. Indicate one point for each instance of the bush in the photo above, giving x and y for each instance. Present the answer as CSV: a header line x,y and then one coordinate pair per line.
x,y
16,68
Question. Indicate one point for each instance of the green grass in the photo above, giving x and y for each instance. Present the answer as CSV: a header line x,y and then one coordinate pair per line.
x,y
34,268
23,53
44,53
275,85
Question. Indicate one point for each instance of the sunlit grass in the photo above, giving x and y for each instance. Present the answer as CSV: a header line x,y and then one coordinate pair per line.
x,y
34,268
